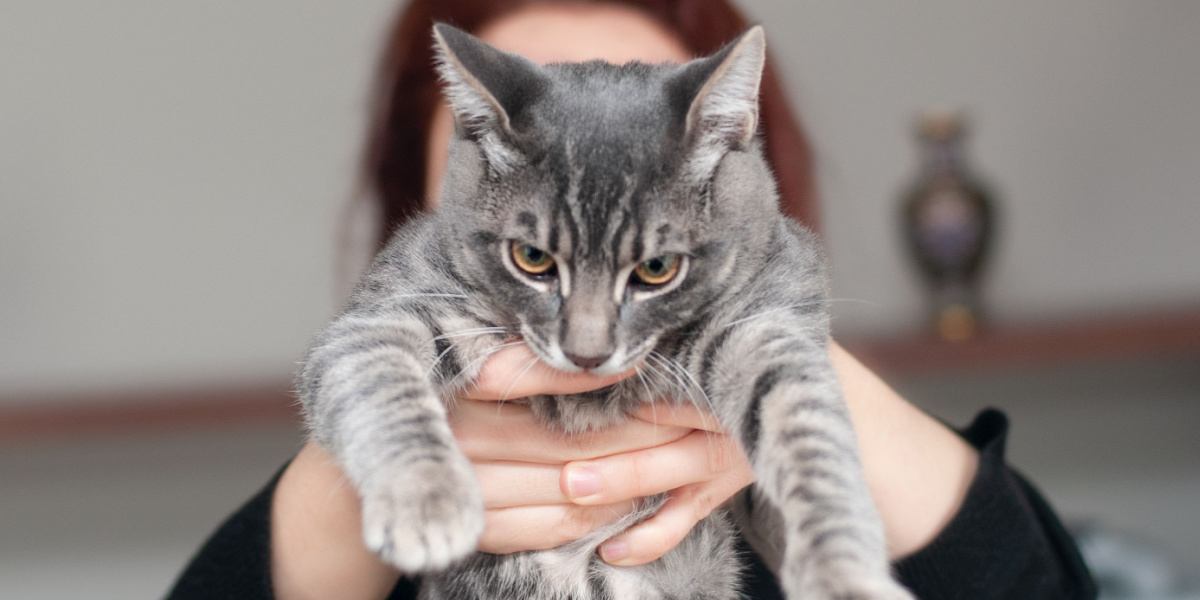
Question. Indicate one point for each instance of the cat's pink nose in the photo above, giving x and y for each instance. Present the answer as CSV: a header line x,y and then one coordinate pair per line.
x,y
587,362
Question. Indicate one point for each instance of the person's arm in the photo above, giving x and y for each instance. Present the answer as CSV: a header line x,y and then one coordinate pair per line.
x,y
960,522
317,548
299,537
919,472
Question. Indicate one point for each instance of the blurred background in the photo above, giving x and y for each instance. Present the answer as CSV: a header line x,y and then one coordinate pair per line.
x,y
173,176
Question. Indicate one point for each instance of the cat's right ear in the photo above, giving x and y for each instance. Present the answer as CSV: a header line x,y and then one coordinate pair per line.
x,y
487,89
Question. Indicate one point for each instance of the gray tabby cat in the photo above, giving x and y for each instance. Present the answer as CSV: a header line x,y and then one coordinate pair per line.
x,y
609,217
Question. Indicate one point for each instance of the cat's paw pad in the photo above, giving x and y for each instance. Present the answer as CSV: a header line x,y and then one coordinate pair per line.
x,y
423,519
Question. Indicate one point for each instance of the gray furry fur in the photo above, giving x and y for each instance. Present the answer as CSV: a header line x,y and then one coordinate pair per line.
x,y
603,167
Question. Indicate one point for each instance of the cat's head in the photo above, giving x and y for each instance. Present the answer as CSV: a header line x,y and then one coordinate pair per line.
x,y
603,206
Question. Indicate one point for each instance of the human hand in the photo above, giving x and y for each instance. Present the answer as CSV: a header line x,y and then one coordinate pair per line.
x,y
917,469
542,489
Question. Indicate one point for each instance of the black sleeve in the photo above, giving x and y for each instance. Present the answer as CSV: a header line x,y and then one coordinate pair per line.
x,y
1005,542
235,562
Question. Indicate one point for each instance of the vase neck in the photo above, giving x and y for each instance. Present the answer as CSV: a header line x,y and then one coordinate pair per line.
x,y
942,157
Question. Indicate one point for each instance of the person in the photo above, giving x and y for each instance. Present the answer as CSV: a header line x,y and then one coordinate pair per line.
x,y
959,522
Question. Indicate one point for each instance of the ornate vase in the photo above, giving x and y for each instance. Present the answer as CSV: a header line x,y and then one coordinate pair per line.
x,y
948,218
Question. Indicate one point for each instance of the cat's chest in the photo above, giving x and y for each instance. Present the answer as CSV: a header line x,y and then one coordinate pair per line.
x,y
591,411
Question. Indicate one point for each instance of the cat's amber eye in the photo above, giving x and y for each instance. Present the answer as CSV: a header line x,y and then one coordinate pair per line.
x,y
659,270
531,259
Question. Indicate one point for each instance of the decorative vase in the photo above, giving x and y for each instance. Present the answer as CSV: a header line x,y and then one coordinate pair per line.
x,y
948,216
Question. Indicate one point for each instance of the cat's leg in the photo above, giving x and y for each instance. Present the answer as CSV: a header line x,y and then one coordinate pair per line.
x,y
369,399
775,386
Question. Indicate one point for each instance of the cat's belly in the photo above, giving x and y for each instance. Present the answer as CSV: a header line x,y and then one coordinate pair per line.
x,y
703,566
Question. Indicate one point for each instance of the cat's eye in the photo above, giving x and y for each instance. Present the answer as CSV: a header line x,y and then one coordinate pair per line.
x,y
532,260
657,271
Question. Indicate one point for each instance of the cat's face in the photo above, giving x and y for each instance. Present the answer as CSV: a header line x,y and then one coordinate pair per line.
x,y
585,199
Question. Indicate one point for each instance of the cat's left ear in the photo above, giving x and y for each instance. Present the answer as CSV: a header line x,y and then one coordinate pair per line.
x,y
722,94
487,89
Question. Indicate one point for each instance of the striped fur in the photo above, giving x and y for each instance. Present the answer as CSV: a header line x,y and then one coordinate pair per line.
x,y
602,167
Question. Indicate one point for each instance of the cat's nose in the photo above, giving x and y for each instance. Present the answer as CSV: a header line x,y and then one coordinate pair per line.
x,y
587,362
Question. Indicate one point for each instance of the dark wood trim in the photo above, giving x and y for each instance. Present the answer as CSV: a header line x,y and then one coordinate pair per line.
x,y
1163,334
163,410
1150,335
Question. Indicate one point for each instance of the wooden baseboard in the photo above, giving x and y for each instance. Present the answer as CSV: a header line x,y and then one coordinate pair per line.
x,y
1164,334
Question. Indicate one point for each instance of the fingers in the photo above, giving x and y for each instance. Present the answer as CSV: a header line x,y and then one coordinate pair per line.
x,y
515,372
487,431
651,539
526,528
698,457
508,484
678,415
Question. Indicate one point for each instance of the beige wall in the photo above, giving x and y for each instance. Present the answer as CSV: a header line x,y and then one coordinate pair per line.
x,y
1087,121
171,173
170,176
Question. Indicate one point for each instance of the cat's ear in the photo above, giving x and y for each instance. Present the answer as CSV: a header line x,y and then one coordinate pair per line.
x,y
722,99
486,88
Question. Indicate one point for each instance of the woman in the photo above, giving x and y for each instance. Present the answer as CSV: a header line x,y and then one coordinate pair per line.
x,y
959,523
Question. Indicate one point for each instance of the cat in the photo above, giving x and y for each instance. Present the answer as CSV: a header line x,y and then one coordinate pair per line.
x,y
611,218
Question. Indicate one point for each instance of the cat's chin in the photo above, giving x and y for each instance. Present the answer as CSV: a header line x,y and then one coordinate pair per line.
x,y
590,411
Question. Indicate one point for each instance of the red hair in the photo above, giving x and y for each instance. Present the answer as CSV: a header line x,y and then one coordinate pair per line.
x,y
406,94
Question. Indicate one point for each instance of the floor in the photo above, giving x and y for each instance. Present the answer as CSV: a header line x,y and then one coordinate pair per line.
x,y
116,517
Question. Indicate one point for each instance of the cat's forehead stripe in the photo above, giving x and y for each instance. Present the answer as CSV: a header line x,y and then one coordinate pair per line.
x,y
595,204
620,240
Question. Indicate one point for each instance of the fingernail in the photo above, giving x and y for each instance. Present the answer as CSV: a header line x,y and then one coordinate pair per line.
x,y
582,482
614,550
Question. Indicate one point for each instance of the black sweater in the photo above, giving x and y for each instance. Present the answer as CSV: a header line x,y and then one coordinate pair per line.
x,y
1005,542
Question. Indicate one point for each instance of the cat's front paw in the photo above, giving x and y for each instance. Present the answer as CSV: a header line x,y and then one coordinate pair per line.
x,y
875,588
424,517
842,584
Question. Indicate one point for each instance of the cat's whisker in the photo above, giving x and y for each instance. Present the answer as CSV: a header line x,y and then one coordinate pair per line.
x,y
479,360
767,312
437,361
712,410
668,369
661,376
469,332
427,295
820,302
677,370
475,332
649,398
855,301
486,354
657,372
706,411
515,380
